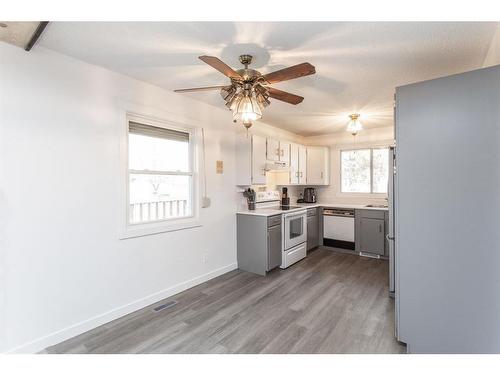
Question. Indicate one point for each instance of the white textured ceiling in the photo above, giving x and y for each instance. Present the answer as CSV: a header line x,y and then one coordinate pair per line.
x,y
358,64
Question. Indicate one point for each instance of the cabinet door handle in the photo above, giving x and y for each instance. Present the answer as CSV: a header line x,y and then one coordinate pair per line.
x,y
282,152
278,151
321,174
380,228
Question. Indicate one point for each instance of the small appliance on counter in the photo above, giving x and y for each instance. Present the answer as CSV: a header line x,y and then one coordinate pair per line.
x,y
301,198
285,199
250,196
309,195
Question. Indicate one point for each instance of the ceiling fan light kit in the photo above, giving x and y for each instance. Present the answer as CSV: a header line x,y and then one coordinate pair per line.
x,y
247,109
249,93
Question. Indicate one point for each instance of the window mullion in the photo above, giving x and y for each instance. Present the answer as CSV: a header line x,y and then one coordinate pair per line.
x,y
371,170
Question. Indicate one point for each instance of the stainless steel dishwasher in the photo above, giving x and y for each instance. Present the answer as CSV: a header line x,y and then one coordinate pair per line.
x,y
338,228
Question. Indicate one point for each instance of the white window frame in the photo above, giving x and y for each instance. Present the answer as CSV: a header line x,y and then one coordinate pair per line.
x,y
361,194
131,230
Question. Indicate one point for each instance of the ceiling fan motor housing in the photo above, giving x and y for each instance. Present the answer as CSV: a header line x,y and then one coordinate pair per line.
x,y
248,75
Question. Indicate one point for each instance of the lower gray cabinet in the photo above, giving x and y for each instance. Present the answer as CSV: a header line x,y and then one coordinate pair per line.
x,y
372,236
258,242
370,231
273,247
312,228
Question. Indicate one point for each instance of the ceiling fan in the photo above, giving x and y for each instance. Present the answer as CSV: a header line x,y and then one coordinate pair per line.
x,y
249,93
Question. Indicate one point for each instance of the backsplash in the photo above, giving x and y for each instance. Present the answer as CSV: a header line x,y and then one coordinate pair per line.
x,y
328,194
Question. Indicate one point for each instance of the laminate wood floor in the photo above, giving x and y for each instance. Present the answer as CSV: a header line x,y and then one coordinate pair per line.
x,y
327,303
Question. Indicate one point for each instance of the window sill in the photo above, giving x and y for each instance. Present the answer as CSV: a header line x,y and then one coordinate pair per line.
x,y
363,195
140,230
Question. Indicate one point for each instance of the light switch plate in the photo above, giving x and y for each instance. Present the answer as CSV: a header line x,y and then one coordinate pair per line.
x,y
219,166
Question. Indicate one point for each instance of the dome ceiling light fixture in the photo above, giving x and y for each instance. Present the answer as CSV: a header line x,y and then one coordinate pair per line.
x,y
354,125
249,93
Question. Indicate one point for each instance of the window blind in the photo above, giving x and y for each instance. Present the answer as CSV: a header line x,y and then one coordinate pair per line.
x,y
153,131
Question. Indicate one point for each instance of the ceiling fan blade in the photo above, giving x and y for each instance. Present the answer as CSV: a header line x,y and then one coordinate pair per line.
x,y
221,66
292,72
284,96
208,88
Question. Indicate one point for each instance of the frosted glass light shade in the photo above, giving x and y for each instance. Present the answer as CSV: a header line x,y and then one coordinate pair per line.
x,y
354,125
247,109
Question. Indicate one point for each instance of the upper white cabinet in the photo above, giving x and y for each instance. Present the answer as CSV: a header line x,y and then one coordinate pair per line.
x,y
318,165
302,165
256,155
294,164
298,164
251,160
285,152
278,150
273,149
258,160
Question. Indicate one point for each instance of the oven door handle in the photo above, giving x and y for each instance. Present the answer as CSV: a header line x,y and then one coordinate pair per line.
x,y
291,216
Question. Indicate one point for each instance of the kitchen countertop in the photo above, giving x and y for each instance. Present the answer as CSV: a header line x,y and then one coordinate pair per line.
x,y
271,211
342,205
268,211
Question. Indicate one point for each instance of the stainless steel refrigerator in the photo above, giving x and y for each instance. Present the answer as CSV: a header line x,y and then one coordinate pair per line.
x,y
446,214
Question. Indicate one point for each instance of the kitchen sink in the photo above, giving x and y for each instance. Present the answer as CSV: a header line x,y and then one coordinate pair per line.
x,y
376,205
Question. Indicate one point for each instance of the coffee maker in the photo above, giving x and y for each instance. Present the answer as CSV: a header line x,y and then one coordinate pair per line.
x,y
309,195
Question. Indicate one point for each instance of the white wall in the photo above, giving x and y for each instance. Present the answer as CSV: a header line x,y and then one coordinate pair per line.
x,y
63,269
493,55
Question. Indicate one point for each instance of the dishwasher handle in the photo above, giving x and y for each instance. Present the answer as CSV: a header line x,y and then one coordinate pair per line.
x,y
337,212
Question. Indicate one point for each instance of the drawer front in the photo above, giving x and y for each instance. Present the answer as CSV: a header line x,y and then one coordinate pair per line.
x,y
372,214
312,211
273,220
294,255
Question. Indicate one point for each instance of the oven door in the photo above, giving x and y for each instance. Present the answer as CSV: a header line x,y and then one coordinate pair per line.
x,y
295,229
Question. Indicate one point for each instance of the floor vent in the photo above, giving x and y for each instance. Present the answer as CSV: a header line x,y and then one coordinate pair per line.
x,y
165,306
368,255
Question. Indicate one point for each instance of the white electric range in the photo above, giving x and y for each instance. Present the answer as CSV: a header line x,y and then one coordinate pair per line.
x,y
293,225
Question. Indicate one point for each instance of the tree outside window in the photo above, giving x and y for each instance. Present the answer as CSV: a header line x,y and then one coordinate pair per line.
x,y
364,170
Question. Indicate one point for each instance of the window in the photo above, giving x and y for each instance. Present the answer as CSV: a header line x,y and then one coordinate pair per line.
x,y
364,170
160,173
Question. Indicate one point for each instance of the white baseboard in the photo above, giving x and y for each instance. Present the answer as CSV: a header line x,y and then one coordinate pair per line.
x,y
54,338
